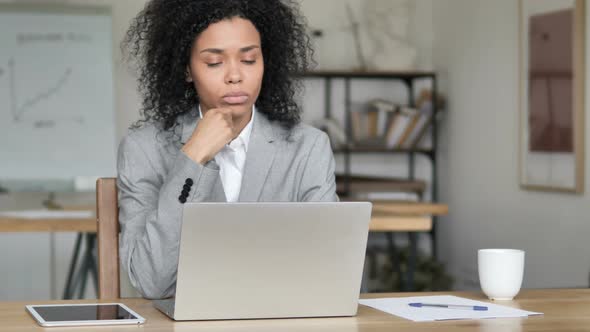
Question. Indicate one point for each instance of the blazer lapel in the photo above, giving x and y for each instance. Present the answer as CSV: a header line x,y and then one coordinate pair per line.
x,y
259,159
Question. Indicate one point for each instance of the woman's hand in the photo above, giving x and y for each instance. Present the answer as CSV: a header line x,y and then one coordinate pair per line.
x,y
214,131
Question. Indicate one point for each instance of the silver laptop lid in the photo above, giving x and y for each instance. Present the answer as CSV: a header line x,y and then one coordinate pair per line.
x,y
271,260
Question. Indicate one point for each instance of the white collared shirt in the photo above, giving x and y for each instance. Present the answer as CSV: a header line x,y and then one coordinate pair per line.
x,y
231,160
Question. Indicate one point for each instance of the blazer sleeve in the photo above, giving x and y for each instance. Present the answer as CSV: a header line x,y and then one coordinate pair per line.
x,y
318,183
150,214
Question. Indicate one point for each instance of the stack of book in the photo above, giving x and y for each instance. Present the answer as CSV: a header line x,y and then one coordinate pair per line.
x,y
385,124
378,188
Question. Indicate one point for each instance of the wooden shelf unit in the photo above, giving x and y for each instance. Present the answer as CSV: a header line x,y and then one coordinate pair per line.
x,y
389,216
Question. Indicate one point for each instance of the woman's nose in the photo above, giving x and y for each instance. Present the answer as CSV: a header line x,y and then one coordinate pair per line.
x,y
234,75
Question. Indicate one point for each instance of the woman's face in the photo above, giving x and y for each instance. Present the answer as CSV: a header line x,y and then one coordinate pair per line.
x,y
226,66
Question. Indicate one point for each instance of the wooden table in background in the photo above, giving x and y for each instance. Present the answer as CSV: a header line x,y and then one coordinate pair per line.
x,y
564,310
85,227
387,217
394,217
405,217
35,201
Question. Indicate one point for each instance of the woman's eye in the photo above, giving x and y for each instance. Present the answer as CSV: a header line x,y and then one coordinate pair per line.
x,y
213,64
249,62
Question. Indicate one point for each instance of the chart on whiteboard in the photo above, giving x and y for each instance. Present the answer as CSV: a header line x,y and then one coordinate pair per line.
x,y
18,108
56,94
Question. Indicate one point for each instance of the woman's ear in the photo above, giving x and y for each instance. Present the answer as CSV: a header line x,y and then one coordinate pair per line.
x,y
188,77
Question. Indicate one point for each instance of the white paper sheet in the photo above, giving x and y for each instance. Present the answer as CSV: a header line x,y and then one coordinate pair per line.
x,y
400,307
47,214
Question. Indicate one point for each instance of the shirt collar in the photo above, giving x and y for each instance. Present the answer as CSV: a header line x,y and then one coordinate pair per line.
x,y
244,136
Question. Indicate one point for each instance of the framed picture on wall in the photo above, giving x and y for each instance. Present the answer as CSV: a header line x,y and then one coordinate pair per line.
x,y
552,78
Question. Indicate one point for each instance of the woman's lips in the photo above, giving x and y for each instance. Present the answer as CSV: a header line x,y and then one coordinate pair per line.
x,y
233,98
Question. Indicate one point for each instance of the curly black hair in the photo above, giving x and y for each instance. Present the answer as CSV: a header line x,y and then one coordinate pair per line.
x,y
160,39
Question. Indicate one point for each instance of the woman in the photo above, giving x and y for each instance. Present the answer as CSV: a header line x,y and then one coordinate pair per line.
x,y
220,124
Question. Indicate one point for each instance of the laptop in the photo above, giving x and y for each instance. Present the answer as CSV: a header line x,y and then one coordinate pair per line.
x,y
269,260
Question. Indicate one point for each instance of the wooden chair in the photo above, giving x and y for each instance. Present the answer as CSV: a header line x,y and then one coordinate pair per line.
x,y
107,218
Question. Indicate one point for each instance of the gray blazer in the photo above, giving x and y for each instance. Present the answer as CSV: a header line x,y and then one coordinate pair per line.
x,y
281,166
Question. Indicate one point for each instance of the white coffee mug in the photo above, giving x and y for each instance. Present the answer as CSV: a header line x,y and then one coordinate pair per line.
x,y
500,272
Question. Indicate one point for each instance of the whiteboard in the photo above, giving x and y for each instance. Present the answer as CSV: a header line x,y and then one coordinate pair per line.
x,y
57,118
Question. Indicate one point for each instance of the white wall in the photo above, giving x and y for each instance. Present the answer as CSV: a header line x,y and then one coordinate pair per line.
x,y
476,53
405,18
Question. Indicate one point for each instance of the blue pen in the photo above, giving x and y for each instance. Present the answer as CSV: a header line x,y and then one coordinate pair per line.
x,y
450,306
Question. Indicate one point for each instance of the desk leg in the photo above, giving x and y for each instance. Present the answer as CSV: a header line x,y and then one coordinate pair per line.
x,y
413,257
91,261
77,278
52,276
395,263
68,288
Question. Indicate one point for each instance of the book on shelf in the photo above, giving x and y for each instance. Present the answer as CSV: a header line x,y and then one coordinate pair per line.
x,y
422,136
379,188
394,196
400,127
369,123
358,123
380,123
422,123
410,129
384,110
372,118
382,118
382,105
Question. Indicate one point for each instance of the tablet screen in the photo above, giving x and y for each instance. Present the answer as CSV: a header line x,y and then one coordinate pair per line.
x,y
83,312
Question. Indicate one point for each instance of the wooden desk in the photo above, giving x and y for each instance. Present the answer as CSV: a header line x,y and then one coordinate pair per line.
x,y
564,309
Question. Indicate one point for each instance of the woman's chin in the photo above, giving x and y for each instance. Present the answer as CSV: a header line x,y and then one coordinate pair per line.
x,y
239,111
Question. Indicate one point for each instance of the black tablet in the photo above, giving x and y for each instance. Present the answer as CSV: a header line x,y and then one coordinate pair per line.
x,y
84,314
